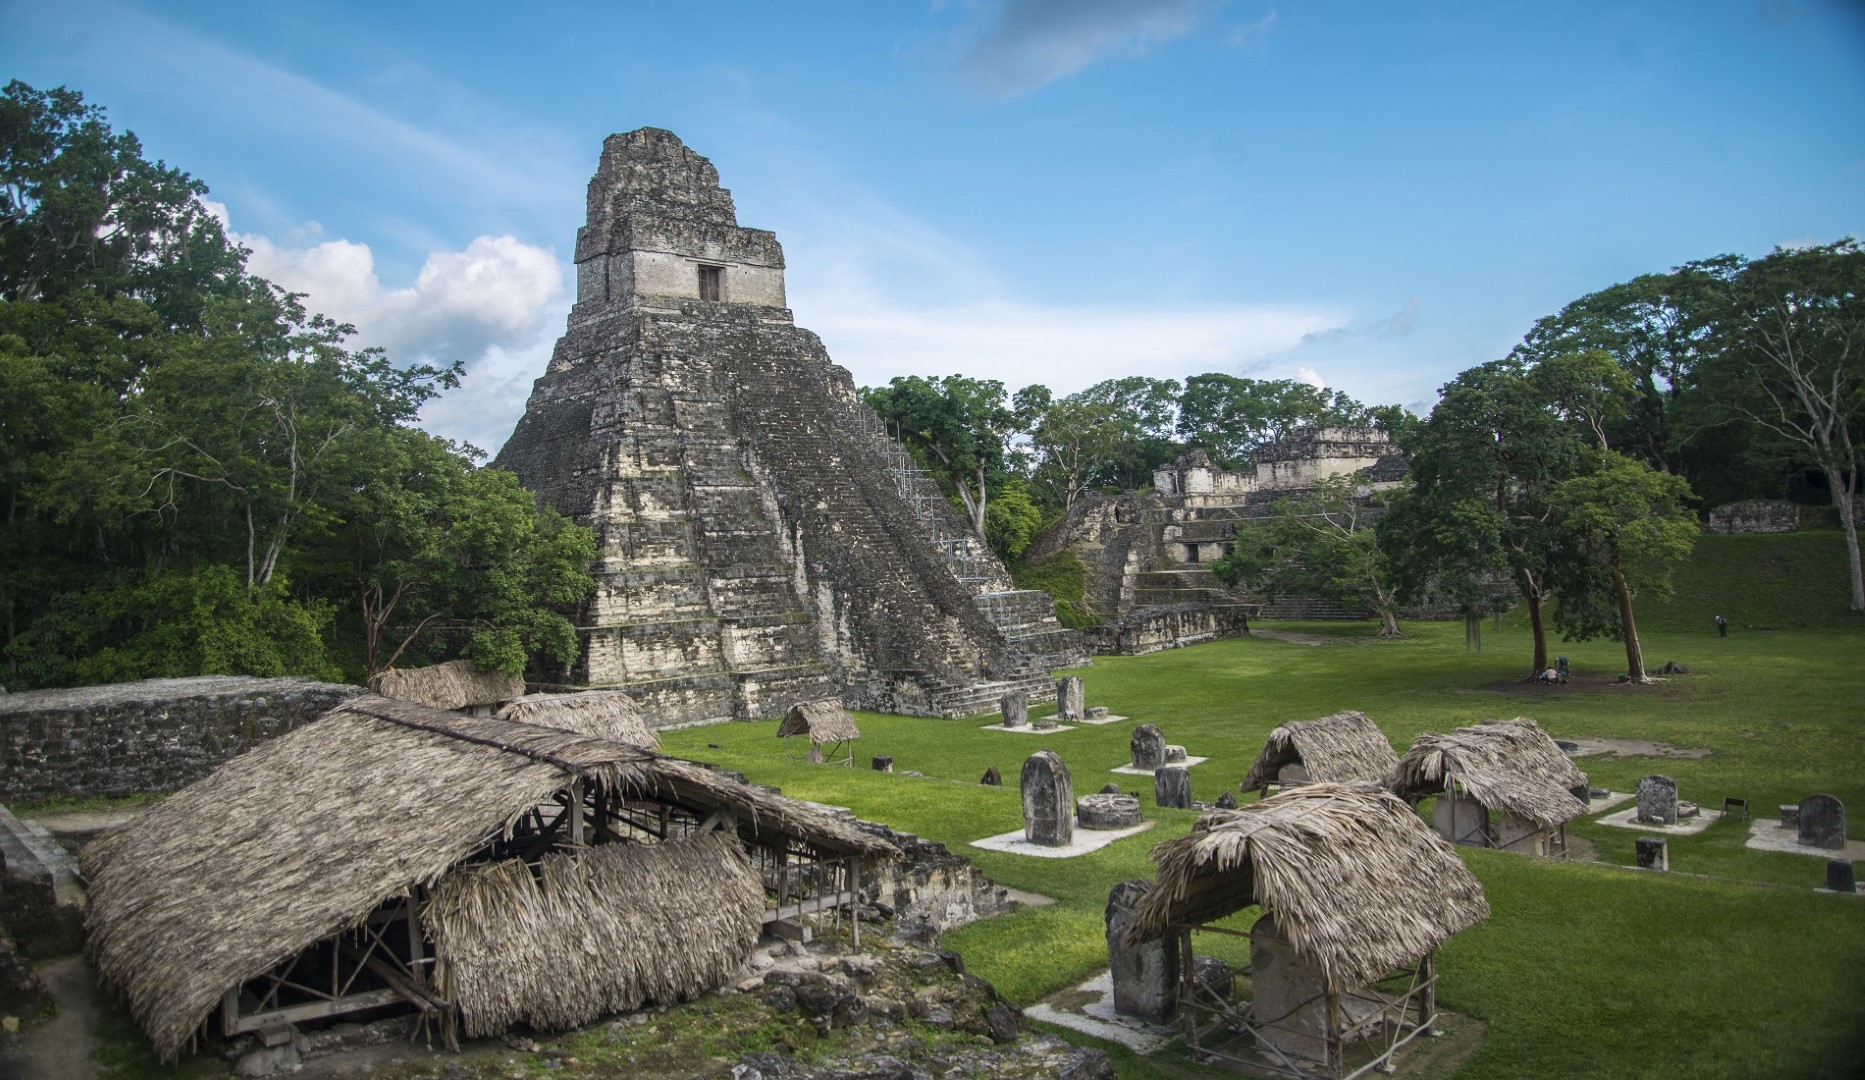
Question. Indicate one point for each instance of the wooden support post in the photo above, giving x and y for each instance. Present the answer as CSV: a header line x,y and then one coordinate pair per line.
x,y
854,886
575,810
1336,1052
1428,995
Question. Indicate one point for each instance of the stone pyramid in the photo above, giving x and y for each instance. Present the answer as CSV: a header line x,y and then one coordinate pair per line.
x,y
762,541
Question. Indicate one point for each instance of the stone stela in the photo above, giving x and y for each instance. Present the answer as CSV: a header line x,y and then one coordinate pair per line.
x,y
1822,822
1048,800
1657,800
1146,978
1148,747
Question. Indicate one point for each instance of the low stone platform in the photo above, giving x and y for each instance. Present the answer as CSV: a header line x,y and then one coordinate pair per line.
x,y
1766,834
1097,1017
1027,729
1129,770
1097,721
1085,841
1628,819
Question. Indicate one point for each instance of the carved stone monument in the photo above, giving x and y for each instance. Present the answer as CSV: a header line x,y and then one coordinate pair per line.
x,y
1822,822
1048,800
1015,707
1841,876
1172,786
1071,695
1146,978
1149,747
992,778
1653,853
1657,800
1105,811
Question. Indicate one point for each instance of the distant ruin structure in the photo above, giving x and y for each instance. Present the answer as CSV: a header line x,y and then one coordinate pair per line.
x,y
762,541
1147,555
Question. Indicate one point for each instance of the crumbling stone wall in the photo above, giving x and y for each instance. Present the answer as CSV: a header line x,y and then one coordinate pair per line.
x,y
1755,516
755,549
150,736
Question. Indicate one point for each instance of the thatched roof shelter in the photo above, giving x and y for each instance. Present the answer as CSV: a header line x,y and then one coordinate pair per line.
x,y
600,714
304,836
1358,884
516,948
824,721
456,684
1510,766
1334,749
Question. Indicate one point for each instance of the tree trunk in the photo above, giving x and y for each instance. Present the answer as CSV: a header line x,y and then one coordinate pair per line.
x,y
977,514
1532,594
1388,624
1634,656
1845,499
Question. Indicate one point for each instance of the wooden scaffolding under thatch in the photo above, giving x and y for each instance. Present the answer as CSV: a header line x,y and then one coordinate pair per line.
x,y
1510,768
390,853
1358,895
600,714
827,724
1336,749
457,685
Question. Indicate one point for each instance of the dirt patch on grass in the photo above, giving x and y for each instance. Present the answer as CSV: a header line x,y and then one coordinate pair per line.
x,y
1579,684
1294,638
1640,748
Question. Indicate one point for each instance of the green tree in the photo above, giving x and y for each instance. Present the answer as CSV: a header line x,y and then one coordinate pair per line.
x,y
1788,356
1322,543
1074,442
1148,409
1230,417
1012,520
1629,525
959,428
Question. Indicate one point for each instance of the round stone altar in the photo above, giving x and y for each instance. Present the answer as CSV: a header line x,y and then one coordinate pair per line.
x,y
1107,811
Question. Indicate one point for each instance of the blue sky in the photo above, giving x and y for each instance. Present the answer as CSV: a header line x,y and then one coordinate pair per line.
x,y
1372,195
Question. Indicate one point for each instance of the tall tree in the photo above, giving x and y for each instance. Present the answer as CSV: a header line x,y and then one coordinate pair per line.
x,y
1323,543
1628,524
1789,356
959,427
1230,417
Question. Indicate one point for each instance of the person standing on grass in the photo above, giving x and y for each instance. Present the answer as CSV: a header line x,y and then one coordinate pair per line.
x,y
1722,626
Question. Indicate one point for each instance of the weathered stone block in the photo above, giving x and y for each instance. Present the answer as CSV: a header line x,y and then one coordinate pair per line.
x,y
1048,800
1822,822
1104,811
1148,747
1145,977
1657,800
1172,786
1070,698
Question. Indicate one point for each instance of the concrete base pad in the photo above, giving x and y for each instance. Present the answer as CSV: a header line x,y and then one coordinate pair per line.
x,y
1027,729
1600,806
1624,819
1766,834
1085,841
1098,1018
1102,720
1128,770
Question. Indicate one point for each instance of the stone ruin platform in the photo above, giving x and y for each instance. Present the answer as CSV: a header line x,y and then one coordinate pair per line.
x,y
1628,819
1084,842
1030,729
1096,1017
1766,834
1130,770
1099,720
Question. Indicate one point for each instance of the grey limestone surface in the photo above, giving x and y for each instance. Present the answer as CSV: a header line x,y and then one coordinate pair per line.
x,y
1145,977
1822,822
1048,800
1657,800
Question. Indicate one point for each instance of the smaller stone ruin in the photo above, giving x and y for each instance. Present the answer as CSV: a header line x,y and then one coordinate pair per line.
x,y
1172,787
992,778
1145,977
1015,708
1048,800
1148,747
1822,823
1107,811
1657,802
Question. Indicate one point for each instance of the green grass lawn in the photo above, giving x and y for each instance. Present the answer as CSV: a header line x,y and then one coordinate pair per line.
x,y
1730,966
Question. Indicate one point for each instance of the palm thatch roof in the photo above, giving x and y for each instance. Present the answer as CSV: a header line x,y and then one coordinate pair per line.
x,y
600,714
513,948
303,836
456,684
1356,881
824,721
1333,749
1507,765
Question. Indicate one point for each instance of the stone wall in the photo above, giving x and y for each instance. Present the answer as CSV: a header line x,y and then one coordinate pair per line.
x,y
1755,516
1149,630
142,737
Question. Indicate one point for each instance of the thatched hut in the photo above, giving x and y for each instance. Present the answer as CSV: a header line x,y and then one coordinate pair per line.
x,y
600,714
827,724
1358,894
389,853
457,685
1501,784
1336,749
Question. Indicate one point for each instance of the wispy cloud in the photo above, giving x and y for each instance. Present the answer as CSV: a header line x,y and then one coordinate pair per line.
x,y
1029,44
1396,325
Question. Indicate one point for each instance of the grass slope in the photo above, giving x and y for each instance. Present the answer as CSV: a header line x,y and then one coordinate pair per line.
x,y
1783,581
1585,970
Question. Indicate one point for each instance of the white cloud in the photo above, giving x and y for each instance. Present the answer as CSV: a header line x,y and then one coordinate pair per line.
x,y
1311,377
497,305
1031,43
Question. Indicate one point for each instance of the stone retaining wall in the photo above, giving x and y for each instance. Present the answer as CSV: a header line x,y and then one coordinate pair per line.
x,y
151,736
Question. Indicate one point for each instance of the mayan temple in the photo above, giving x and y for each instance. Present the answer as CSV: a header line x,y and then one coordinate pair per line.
x,y
762,540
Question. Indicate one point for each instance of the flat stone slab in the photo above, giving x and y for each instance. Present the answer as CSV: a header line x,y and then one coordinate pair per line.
x,y
1129,770
1601,805
1098,1018
1085,841
1628,819
1766,834
1027,729
1099,720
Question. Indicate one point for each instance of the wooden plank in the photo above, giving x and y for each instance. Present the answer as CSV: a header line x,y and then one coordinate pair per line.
x,y
790,931
312,1010
814,903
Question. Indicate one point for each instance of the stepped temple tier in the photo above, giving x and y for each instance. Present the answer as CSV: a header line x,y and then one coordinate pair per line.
x,y
763,542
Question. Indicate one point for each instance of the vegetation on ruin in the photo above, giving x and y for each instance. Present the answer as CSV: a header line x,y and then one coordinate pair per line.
x,y
1063,577
200,476
1731,965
